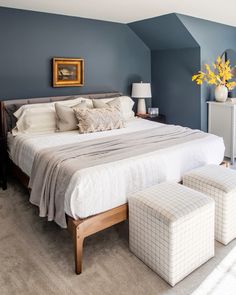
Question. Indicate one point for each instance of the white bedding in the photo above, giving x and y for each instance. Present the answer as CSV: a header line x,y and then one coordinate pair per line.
x,y
97,189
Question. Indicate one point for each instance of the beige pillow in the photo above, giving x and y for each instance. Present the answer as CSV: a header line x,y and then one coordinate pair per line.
x,y
65,116
113,103
123,103
98,104
89,102
101,119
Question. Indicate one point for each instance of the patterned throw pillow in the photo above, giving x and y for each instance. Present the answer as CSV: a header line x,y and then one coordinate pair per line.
x,y
93,120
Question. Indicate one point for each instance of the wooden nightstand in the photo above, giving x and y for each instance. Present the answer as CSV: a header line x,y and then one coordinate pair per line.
x,y
3,164
160,118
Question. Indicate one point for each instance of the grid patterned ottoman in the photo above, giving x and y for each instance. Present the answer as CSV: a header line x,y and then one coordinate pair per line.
x,y
220,184
171,229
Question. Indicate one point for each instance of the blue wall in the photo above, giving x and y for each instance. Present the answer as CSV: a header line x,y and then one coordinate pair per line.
x,y
174,32
230,54
214,39
175,57
114,55
174,93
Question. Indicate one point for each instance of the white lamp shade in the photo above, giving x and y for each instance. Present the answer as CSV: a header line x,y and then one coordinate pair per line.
x,y
141,90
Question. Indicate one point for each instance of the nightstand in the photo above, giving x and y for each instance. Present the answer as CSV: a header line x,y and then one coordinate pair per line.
x,y
3,163
160,118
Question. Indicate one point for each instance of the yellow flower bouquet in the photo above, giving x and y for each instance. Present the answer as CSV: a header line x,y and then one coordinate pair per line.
x,y
221,75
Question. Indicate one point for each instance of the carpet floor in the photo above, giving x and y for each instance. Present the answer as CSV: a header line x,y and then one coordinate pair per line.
x,y
36,257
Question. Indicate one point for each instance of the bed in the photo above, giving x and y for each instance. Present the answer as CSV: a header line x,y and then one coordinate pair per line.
x,y
96,196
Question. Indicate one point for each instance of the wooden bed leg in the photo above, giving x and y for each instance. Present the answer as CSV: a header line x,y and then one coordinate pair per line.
x,y
78,242
82,228
78,238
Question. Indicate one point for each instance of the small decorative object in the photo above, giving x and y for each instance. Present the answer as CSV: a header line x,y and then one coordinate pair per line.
x,y
141,91
153,112
221,76
68,72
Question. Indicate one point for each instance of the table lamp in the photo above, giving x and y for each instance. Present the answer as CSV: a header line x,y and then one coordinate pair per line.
x,y
141,91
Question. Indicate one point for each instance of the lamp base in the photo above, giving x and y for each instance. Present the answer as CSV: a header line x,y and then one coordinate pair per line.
x,y
141,106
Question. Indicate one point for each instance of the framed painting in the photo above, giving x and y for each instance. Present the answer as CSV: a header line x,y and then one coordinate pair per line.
x,y
68,72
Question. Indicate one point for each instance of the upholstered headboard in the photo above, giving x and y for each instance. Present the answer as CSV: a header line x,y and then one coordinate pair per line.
x,y
8,107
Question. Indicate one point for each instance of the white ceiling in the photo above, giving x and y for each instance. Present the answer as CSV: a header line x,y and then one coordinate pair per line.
x,y
126,11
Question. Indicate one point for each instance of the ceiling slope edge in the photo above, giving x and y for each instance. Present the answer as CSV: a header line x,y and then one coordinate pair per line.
x,y
164,32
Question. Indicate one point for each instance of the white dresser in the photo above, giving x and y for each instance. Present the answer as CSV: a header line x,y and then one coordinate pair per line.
x,y
221,122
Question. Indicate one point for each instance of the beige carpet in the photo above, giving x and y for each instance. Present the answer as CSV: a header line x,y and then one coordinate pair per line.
x,y
36,257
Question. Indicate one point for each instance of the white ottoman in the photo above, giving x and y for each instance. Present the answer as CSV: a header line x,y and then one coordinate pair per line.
x,y
171,229
220,184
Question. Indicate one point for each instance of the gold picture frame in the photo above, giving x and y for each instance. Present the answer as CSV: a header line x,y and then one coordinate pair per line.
x,y
68,72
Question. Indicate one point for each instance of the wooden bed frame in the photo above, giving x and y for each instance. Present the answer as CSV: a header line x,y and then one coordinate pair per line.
x,y
81,228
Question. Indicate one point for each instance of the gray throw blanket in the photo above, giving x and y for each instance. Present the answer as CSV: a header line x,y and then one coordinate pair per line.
x,y
54,167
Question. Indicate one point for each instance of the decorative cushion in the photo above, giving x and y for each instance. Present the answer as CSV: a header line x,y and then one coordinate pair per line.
x,y
171,229
98,103
93,120
219,183
66,119
123,103
89,102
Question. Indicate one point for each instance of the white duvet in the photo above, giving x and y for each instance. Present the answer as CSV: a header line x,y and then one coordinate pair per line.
x,y
100,188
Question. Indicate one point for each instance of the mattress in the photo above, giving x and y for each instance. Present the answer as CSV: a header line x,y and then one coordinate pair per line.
x,y
97,189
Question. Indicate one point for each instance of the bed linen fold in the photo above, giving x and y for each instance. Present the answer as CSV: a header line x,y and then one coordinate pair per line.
x,y
54,167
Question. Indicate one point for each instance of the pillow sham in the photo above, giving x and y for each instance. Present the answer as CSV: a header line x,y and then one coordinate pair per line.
x,y
65,116
36,119
124,103
40,117
100,119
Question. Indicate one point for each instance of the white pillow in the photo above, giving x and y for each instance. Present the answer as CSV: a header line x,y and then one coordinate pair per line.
x,y
126,105
40,117
35,119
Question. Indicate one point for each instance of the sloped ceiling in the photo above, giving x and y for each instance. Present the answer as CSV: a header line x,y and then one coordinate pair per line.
x,y
210,34
164,32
